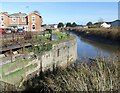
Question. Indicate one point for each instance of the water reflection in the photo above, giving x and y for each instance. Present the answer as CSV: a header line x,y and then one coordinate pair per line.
x,y
90,49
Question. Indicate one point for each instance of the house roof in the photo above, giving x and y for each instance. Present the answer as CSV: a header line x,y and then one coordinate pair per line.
x,y
35,12
19,14
6,13
116,21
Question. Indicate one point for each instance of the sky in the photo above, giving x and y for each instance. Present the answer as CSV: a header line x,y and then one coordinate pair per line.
x,y
55,12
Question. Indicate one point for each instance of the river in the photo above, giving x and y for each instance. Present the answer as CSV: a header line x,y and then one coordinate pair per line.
x,y
90,49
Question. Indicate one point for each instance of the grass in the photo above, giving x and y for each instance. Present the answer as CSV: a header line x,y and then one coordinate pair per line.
x,y
96,76
11,66
61,37
16,76
41,37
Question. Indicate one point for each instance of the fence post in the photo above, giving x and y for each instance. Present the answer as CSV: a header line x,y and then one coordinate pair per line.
x,y
11,55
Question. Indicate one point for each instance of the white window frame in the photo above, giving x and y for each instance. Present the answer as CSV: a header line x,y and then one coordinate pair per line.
x,y
2,17
33,17
23,19
2,25
14,19
32,27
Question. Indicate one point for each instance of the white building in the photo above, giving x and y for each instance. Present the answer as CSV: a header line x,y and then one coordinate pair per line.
x,y
105,25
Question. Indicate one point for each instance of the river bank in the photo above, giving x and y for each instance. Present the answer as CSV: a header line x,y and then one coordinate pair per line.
x,y
103,35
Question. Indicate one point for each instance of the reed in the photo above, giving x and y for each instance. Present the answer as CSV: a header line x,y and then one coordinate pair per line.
x,y
99,75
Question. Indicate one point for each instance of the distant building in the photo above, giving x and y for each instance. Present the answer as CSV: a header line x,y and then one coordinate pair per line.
x,y
115,23
53,26
4,20
79,26
105,25
18,20
84,26
30,22
34,21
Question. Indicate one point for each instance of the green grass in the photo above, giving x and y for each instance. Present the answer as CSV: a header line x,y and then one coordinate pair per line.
x,y
11,66
16,76
41,37
62,36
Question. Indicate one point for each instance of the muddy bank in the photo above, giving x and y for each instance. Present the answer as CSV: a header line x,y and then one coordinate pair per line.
x,y
101,37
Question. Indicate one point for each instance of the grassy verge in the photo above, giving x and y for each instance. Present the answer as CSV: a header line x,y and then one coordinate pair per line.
x,y
11,66
97,76
61,37
17,75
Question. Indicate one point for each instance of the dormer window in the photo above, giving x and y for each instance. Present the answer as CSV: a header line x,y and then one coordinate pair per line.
x,y
14,18
33,18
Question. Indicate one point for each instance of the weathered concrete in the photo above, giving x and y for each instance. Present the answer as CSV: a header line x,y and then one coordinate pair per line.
x,y
61,55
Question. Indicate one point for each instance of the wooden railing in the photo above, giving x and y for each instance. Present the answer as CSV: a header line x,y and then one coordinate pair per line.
x,y
12,38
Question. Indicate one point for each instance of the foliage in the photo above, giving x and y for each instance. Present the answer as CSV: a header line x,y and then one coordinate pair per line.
x,y
96,76
74,24
68,24
40,48
71,24
89,24
60,25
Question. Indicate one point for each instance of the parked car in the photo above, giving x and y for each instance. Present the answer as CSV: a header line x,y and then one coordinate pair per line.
x,y
20,30
2,31
7,30
12,31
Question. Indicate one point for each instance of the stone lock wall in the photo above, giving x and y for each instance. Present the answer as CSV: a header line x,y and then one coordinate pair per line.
x,y
61,55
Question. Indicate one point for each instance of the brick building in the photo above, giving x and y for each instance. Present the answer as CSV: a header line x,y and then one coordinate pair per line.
x,y
30,22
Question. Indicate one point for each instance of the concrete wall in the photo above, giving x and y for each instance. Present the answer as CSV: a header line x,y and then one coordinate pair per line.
x,y
61,55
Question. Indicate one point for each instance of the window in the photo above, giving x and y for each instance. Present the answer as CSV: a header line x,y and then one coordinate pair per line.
x,y
33,18
2,25
23,19
2,18
13,18
33,27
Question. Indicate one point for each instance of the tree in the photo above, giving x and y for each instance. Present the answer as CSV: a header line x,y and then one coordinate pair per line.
x,y
68,24
89,24
60,25
74,24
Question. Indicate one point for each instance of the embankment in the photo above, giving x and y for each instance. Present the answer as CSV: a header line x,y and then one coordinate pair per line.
x,y
99,34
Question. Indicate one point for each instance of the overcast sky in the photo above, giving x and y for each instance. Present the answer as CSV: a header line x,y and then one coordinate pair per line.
x,y
54,12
